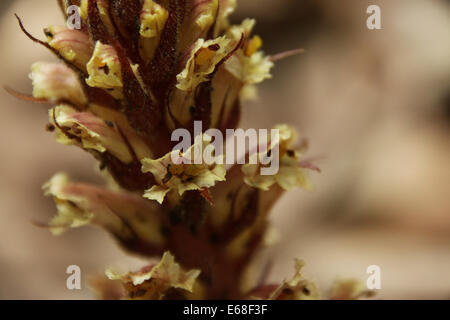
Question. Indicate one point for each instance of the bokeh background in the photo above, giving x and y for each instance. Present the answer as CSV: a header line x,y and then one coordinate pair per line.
x,y
375,106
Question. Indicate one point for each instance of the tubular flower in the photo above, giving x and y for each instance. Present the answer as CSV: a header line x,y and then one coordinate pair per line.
x,y
93,133
104,69
56,82
135,71
162,281
179,171
153,20
134,221
290,173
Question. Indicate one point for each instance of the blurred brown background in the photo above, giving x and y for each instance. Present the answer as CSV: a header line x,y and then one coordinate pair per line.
x,y
375,106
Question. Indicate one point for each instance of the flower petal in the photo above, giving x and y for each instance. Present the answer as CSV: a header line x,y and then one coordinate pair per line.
x,y
204,57
226,8
290,173
155,282
56,82
104,70
248,65
156,193
183,174
153,20
72,45
134,221
198,23
91,132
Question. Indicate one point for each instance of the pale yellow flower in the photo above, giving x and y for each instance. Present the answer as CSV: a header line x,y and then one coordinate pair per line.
x,y
250,66
72,45
204,57
182,175
153,19
134,72
153,282
125,215
104,70
93,133
56,82
290,173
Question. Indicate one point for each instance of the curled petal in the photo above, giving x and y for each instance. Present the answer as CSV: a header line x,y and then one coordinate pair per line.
x,y
73,45
250,70
194,97
156,282
249,65
290,173
183,174
157,193
190,177
93,133
245,28
132,220
104,70
153,19
204,57
56,82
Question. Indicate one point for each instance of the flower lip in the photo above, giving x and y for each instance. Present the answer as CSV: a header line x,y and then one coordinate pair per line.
x,y
178,171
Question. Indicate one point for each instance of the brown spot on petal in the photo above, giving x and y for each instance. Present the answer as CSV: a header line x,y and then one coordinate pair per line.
x,y
214,47
50,127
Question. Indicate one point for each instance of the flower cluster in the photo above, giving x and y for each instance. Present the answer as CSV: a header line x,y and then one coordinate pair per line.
x,y
135,71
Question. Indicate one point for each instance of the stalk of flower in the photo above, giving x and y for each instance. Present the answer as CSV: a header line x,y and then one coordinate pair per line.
x,y
134,72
